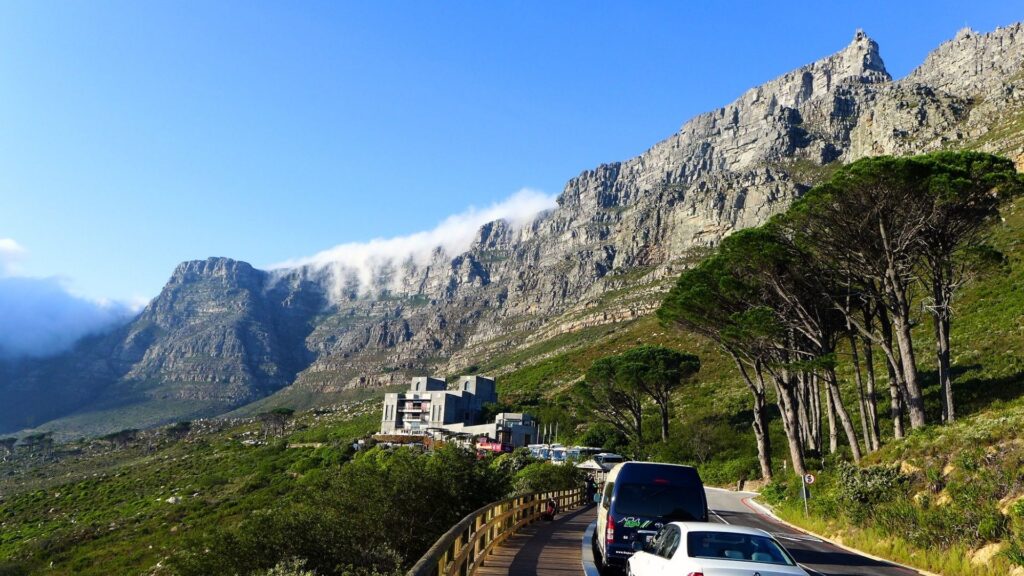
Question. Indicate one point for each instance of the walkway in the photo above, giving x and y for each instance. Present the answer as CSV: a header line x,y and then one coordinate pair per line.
x,y
543,548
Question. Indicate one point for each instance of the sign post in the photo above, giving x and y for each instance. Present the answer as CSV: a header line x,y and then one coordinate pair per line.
x,y
808,479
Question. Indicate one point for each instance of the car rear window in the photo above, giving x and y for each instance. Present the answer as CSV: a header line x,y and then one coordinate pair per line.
x,y
665,501
733,546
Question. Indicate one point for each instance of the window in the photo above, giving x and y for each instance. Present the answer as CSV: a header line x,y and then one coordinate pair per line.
x,y
663,501
668,542
606,499
734,546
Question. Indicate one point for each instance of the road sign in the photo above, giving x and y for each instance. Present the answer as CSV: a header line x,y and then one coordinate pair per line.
x,y
805,491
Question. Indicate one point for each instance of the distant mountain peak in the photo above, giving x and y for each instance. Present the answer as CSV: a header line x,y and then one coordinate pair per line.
x,y
862,59
222,267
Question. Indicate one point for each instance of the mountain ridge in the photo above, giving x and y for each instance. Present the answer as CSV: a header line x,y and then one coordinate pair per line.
x,y
226,334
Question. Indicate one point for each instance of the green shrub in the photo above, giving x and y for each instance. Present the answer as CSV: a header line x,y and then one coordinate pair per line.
x,y
292,567
14,569
1015,552
373,515
728,472
774,493
547,477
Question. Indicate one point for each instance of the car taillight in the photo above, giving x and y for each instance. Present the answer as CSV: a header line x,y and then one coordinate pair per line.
x,y
695,574
609,533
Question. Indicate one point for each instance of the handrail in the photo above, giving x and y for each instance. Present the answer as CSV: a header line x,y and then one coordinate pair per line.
x,y
463,548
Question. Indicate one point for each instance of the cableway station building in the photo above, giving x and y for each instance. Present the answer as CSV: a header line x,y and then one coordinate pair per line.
x,y
430,409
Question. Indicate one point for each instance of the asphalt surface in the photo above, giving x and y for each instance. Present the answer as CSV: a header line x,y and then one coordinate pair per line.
x,y
814,554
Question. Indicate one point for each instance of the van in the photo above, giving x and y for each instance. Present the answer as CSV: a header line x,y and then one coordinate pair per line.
x,y
637,500
607,460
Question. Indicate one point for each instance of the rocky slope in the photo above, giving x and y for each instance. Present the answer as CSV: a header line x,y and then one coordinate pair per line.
x,y
222,334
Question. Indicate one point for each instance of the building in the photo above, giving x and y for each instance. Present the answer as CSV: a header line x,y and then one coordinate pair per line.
x,y
428,403
429,408
512,428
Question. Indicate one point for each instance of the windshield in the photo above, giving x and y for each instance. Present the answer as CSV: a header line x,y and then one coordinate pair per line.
x,y
732,546
663,501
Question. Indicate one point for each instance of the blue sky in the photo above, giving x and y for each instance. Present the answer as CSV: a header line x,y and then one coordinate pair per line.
x,y
135,135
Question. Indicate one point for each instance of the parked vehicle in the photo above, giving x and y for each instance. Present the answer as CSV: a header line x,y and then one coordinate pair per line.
x,y
607,460
711,550
542,451
486,446
638,499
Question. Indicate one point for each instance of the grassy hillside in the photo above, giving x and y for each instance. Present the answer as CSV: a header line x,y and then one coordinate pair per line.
x,y
97,509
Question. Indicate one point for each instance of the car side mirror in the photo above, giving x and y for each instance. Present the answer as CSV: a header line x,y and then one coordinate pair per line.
x,y
638,546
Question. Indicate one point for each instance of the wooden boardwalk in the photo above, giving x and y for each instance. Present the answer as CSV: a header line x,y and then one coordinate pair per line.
x,y
543,548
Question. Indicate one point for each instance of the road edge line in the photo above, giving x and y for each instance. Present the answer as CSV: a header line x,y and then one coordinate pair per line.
x,y
767,512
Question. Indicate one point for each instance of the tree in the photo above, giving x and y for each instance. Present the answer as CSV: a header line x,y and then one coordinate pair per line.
x,y
614,398
658,371
122,438
7,446
966,189
801,298
709,300
865,225
179,430
42,442
274,421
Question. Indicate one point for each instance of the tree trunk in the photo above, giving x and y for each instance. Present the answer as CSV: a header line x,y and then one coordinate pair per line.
x,y
915,400
803,410
815,401
872,399
941,320
945,369
638,427
760,424
833,435
787,405
902,325
895,369
861,395
764,446
664,408
844,416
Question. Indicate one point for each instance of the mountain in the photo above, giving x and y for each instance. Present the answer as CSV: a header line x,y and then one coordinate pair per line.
x,y
222,334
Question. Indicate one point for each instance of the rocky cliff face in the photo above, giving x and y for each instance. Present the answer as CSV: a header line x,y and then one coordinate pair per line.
x,y
224,333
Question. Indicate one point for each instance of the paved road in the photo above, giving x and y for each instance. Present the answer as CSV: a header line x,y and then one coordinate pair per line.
x,y
811,552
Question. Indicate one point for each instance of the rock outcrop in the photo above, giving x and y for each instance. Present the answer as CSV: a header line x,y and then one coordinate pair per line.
x,y
222,333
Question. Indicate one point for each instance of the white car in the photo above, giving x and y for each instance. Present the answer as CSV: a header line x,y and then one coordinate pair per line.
x,y
703,549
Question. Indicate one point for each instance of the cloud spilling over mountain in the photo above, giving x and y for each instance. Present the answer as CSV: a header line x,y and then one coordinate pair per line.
x,y
360,263
10,253
40,317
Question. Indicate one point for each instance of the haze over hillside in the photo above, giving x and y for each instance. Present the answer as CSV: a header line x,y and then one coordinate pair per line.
x,y
223,334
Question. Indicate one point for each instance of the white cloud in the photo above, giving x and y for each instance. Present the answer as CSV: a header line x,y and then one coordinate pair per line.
x,y
40,316
362,261
11,254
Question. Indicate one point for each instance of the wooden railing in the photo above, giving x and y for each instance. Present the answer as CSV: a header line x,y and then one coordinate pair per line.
x,y
463,548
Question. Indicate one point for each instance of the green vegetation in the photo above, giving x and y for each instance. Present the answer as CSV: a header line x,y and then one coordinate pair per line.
x,y
945,496
617,387
182,500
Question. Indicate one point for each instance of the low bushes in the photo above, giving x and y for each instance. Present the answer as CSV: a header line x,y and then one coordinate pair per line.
x,y
373,515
